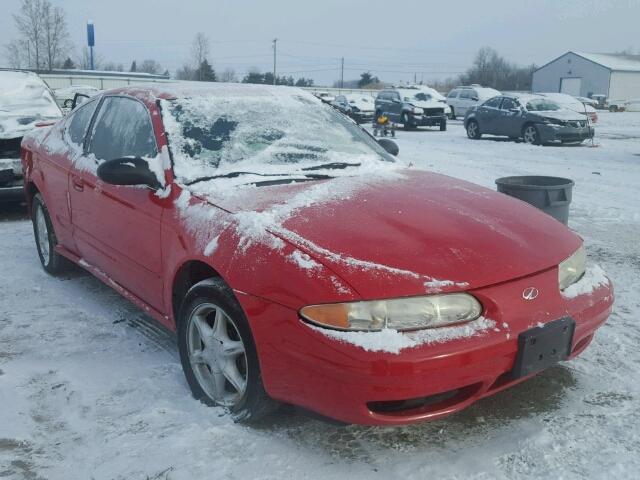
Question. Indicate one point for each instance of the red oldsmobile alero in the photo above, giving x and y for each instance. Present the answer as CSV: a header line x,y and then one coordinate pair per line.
x,y
298,262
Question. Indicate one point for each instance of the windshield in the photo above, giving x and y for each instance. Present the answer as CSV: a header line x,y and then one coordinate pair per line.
x,y
278,133
542,105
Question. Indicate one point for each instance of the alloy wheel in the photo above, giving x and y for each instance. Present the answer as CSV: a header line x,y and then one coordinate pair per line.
x,y
472,130
530,135
217,354
42,234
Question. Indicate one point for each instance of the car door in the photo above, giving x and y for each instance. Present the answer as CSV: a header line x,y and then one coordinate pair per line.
x,y
509,122
383,101
487,115
68,139
464,102
395,107
117,228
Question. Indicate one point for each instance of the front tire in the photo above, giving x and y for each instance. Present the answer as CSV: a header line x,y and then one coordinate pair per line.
x,y
473,130
218,353
530,134
452,115
46,241
406,122
443,126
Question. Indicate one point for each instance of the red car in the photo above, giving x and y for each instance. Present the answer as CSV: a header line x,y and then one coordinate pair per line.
x,y
298,262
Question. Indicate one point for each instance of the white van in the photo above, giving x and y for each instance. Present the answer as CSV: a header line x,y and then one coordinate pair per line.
x,y
461,99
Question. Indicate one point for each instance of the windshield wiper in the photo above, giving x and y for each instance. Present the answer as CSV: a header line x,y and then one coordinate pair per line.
x,y
234,175
307,176
332,165
283,181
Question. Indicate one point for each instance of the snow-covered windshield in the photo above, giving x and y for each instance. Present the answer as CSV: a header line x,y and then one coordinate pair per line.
x,y
210,135
542,105
25,94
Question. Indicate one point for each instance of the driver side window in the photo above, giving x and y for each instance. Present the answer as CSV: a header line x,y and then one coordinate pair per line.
x,y
79,122
122,129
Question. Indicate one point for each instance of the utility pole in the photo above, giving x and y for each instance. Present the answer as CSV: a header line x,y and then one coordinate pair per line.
x,y
342,72
275,40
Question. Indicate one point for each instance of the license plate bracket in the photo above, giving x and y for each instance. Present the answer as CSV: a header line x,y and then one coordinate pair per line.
x,y
543,346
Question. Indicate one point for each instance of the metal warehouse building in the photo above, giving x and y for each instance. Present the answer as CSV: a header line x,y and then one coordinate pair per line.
x,y
585,74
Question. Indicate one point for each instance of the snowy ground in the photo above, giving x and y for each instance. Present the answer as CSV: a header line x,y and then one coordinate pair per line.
x,y
90,388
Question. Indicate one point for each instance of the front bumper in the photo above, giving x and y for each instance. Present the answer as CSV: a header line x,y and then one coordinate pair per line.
x,y
428,120
560,133
302,366
11,182
362,117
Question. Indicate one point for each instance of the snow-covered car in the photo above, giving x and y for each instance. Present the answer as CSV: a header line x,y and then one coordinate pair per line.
x,y
25,100
411,107
574,104
362,106
462,99
326,97
536,119
298,262
65,96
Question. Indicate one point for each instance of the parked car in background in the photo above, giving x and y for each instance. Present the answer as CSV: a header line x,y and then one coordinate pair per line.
x,y
573,103
25,100
411,107
65,96
362,106
534,118
341,104
461,99
273,185
326,97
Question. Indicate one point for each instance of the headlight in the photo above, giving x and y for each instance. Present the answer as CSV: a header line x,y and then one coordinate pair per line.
x,y
399,314
572,269
417,111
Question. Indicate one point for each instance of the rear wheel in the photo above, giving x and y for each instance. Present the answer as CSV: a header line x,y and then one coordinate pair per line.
x,y
218,353
45,237
530,134
473,130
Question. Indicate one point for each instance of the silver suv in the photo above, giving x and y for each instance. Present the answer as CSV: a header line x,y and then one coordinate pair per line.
x,y
462,99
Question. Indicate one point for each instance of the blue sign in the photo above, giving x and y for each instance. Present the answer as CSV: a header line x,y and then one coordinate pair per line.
x,y
91,38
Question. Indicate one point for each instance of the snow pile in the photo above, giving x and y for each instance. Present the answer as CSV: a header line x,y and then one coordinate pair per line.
x,y
593,278
393,341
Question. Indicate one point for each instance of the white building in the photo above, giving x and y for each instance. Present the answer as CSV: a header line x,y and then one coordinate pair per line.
x,y
585,74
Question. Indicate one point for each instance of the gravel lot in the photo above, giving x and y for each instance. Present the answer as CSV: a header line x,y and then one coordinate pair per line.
x,y
92,388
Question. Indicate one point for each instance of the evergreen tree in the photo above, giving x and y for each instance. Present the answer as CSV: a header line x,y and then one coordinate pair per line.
x,y
68,64
134,67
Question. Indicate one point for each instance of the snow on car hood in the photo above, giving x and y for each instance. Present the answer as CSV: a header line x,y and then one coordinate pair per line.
x,y
409,233
564,114
24,101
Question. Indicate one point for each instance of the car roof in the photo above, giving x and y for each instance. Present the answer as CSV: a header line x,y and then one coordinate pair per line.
x,y
171,90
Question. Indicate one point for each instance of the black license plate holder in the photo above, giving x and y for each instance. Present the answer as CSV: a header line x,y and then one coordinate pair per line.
x,y
543,346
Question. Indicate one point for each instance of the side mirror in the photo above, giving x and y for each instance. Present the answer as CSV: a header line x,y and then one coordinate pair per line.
x,y
475,99
78,99
127,171
390,146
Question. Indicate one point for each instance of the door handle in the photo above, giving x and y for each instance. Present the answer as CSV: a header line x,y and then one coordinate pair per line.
x,y
77,183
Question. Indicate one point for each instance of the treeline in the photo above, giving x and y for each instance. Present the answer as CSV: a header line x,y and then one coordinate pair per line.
x,y
490,69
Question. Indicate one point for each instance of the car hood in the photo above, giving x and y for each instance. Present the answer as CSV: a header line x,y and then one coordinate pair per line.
x,y
565,114
429,104
416,233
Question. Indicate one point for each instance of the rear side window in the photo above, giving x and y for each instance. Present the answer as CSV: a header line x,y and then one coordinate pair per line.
x,y
465,94
79,122
122,129
452,94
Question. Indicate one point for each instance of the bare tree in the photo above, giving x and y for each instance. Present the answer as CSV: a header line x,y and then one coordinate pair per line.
x,y
44,38
150,66
186,73
200,50
56,36
229,76
29,22
83,60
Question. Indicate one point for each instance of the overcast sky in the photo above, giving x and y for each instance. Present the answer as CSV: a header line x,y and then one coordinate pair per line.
x,y
394,40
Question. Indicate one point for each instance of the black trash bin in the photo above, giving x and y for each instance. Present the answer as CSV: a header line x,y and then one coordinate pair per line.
x,y
552,195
